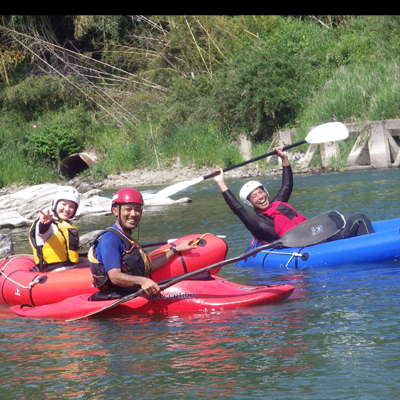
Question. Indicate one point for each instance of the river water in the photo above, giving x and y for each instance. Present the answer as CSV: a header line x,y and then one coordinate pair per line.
x,y
336,337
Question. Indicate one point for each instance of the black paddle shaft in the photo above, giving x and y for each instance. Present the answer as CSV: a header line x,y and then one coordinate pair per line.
x,y
271,153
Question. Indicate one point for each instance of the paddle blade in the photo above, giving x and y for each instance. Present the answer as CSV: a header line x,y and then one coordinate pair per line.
x,y
330,132
170,190
314,230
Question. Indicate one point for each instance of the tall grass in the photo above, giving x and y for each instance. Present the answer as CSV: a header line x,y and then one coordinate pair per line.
x,y
119,153
16,168
361,92
201,145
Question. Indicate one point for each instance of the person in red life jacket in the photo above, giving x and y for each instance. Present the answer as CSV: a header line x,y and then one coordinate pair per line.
x,y
275,217
118,264
53,238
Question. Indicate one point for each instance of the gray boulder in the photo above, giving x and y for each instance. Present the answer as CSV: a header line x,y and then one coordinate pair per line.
x,y
6,246
22,208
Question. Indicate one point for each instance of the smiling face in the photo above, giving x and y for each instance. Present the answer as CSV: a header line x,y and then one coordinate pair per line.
x,y
129,215
65,209
259,199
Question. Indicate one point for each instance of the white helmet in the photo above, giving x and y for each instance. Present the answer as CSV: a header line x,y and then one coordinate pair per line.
x,y
246,190
65,193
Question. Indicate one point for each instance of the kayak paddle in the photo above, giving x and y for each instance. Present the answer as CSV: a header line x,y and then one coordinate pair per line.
x,y
309,232
329,132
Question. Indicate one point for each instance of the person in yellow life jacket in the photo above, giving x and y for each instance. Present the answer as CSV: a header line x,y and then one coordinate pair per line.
x,y
53,238
118,264
275,217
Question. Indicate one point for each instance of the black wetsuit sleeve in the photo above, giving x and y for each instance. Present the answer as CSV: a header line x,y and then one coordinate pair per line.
x,y
287,185
43,228
261,226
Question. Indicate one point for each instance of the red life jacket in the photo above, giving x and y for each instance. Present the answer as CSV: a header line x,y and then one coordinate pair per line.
x,y
284,216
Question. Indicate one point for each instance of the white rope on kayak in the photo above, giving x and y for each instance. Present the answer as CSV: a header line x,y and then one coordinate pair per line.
x,y
290,259
29,287
292,255
281,252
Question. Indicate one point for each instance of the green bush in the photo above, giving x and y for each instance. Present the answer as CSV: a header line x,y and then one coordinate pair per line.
x,y
13,130
188,102
120,156
266,85
50,144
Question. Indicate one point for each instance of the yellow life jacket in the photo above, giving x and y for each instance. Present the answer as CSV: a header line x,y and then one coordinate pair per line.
x,y
61,247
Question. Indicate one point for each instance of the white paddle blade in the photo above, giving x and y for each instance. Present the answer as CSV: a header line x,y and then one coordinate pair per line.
x,y
170,190
329,132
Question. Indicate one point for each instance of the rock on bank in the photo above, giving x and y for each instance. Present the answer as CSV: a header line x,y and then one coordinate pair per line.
x,y
22,207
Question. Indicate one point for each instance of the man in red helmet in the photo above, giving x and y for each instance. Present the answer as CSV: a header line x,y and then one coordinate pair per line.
x,y
119,266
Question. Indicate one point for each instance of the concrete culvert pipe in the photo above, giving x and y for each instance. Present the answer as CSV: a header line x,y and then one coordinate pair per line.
x,y
73,164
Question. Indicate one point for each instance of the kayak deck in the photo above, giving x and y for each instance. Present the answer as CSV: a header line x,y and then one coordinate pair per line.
x,y
19,285
188,296
381,246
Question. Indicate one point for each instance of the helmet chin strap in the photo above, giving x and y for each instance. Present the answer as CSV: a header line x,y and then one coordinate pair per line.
x,y
120,222
55,210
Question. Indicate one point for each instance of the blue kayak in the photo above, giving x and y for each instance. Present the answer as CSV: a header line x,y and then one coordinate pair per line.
x,y
380,246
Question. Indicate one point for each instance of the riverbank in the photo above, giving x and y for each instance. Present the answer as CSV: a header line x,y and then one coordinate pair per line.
x,y
169,176
142,177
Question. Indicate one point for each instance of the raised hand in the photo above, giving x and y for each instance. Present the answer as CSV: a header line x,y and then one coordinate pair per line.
x,y
45,218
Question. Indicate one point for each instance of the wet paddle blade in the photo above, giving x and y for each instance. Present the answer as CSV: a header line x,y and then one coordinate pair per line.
x,y
314,230
177,187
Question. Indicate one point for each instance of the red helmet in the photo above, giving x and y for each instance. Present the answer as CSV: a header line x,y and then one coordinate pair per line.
x,y
127,195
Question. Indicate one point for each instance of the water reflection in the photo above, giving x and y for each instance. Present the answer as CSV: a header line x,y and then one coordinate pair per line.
x,y
334,338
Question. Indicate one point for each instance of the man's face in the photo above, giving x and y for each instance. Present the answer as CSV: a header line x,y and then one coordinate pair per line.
x,y
129,214
259,199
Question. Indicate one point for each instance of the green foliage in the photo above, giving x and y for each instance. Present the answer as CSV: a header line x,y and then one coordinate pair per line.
x,y
58,135
260,148
51,144
12,129
15,167
119,157
267,84
200,80
202,145
34,96
189,98
368,38
360,92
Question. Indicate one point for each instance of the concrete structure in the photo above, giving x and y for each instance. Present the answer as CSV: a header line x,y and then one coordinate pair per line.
x,y
377,146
